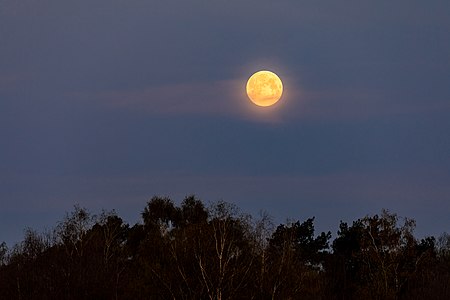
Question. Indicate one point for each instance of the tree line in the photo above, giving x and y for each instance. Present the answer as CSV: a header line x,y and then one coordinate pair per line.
x,y
194,251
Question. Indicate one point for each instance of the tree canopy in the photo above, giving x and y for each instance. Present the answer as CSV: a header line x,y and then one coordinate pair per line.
x,y
194,251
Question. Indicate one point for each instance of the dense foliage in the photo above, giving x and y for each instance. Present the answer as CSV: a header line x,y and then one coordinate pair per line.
x,y
194,252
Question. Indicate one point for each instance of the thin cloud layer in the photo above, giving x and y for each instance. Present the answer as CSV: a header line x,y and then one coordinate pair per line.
x,y
183,98
227,98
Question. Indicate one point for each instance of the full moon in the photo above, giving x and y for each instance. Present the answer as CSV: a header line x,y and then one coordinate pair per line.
x,y
264,88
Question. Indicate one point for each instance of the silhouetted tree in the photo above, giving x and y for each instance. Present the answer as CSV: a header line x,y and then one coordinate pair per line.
x,y
193,252
192,212
295,259
3,254
224,253
376,257
432,271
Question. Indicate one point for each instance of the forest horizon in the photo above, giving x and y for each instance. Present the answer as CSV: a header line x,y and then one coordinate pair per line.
x,y
216,251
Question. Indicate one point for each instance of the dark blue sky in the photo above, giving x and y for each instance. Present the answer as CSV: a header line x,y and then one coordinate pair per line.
x,y
106,103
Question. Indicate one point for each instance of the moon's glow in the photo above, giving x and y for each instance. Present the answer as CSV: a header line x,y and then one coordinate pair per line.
x,y
264,88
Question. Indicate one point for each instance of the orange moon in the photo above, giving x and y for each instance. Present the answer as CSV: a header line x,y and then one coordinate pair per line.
x,y
264,88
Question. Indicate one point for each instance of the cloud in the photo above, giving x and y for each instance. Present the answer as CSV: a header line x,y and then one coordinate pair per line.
x,y
219,98
360,104
174,98
227,98
10,81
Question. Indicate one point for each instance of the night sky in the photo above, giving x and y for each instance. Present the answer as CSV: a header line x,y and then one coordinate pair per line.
x,y
107,103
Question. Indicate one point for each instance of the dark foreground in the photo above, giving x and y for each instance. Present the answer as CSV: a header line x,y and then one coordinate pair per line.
x,y
193,252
